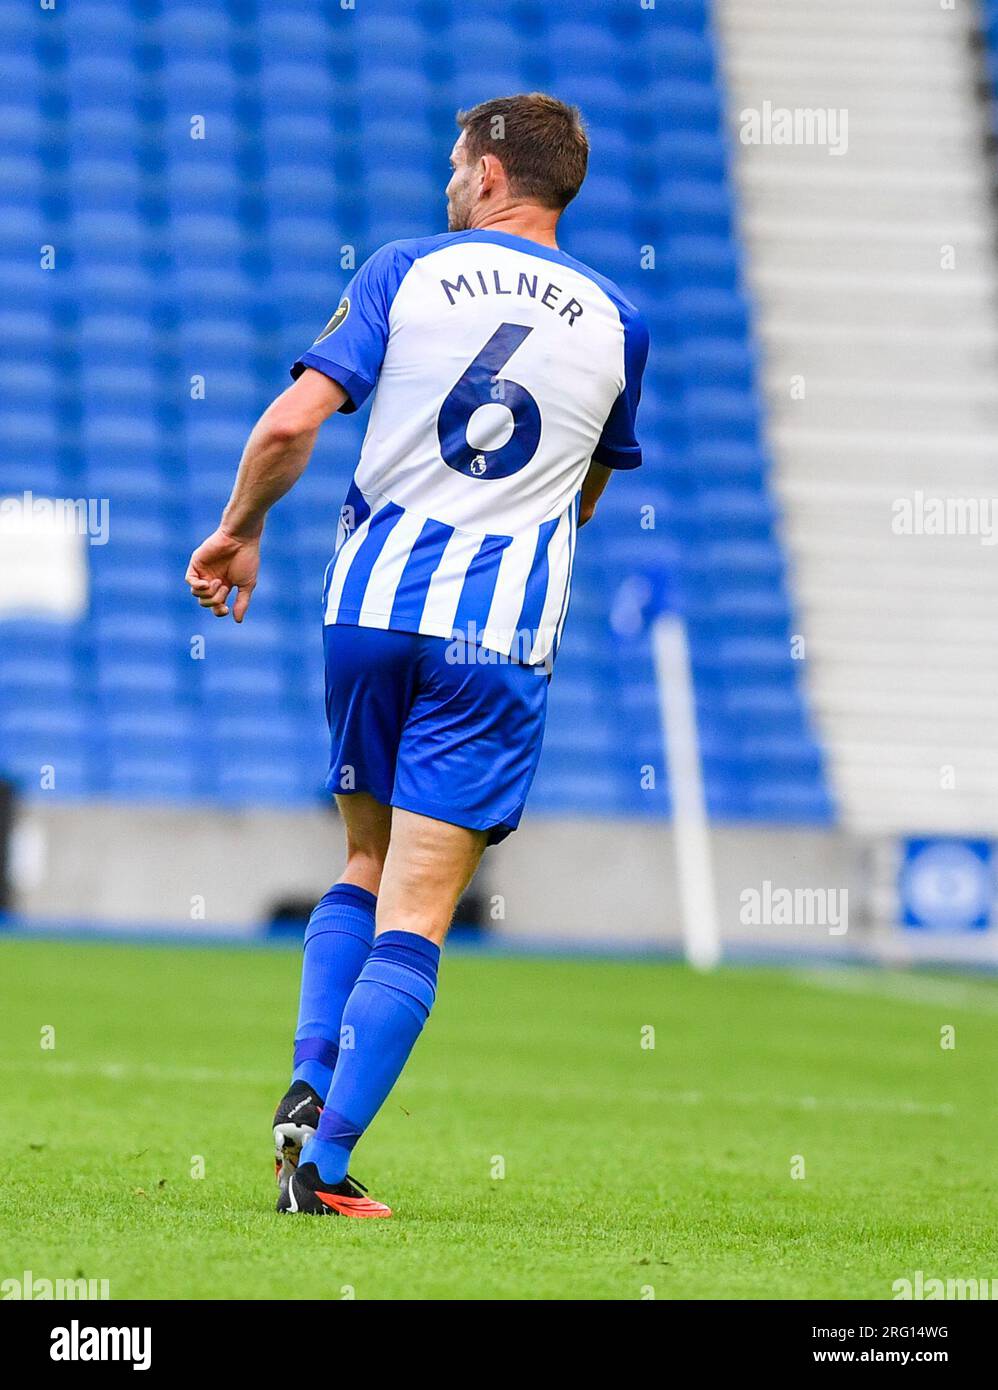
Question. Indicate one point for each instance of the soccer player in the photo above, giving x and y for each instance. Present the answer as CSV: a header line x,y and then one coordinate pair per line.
x,y
505,377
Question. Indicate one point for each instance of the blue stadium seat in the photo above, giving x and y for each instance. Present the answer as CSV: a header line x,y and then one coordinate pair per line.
x,y
119,676
22,72
405,190
723,414
213,444
229,338
196,86
18,29
112,287
189,31
22,179
310,137
106,184
200,291
707,310
687,105
584,46
295,34
297,241
158,634
726,362
121,238
269,780
613,251
609,198
28,385
209,127
29,335
385,144
691,153
604,100
702,207
38,678
161,776
23,127
381,32
202,184
311,294
139,730
302,188
682,52
383,86
211,239
286,86
704,262
101,26
30,432
113,443
124,385
791,800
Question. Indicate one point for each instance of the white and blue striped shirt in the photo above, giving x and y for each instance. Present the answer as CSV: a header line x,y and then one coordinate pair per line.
x,y
500,369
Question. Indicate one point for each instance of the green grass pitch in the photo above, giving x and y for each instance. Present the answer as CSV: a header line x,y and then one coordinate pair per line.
x,y
627,1171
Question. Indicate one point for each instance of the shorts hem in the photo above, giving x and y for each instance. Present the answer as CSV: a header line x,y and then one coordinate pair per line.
x,y
498,829
498,826
332,786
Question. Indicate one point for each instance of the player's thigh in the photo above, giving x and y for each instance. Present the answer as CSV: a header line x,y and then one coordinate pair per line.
x,y
428,866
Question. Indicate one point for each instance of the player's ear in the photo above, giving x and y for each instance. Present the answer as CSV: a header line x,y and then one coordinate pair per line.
x,y
491,174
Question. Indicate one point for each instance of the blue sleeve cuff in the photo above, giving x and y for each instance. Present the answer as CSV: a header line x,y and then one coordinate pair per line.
x,y
617,458
358,388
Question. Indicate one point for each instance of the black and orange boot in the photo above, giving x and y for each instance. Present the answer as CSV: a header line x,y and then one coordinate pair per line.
x,y
303,1191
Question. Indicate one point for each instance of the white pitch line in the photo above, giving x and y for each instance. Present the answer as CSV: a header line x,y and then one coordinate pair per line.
x,y
151,1071
647,1096
138,1071
904,989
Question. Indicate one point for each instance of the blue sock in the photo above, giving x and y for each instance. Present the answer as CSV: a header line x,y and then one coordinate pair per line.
x,y
337,943
382,1020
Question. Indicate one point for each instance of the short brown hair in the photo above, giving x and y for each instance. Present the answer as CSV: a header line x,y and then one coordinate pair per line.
x,y
540,142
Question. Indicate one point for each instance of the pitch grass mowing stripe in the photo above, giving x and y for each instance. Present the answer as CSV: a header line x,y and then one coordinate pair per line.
x,y
534,1150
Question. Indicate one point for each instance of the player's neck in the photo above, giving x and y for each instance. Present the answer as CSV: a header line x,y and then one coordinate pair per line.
x,y
525,220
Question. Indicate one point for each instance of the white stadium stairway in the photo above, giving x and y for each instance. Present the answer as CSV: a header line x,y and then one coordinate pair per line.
x,y
898,356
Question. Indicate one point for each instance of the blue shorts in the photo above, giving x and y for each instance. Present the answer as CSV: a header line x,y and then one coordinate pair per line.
x,y
457,740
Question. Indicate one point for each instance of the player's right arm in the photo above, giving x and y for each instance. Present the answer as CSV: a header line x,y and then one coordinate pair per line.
x,y
275,457
338,372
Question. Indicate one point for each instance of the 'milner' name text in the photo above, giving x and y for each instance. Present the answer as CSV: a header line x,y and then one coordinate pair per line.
x,y
482,282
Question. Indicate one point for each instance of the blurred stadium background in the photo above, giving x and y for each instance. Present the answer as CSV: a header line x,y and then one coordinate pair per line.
x,y
185,189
